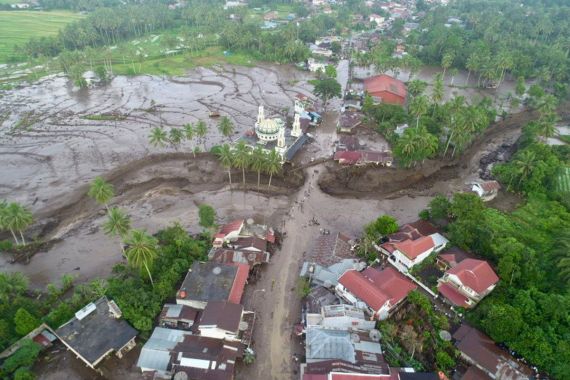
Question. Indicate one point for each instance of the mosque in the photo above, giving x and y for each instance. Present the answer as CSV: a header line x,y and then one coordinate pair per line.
x,y
272,134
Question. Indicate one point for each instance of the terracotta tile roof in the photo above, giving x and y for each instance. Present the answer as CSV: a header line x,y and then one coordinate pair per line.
x,y
414,248
386,83
330,249
232,226
452,295
424,227
239,283
376,287
476,274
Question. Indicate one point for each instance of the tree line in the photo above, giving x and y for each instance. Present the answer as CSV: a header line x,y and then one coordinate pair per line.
x,y
529,248
529,39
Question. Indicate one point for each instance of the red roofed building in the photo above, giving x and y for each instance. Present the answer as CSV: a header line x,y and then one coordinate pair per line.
x,y
468,282
409,252
386,89
238,286
228,232
378,292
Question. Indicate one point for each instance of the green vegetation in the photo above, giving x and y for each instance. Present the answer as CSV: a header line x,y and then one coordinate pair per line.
x,y
498,37
105,117
17,28
529,249
15,218
327,89
413,340
207,216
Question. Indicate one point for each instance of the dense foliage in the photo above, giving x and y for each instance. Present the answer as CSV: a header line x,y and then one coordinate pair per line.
x,y
530,250
139,301
493,37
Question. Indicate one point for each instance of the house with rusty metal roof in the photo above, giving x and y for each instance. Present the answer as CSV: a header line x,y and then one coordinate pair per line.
x,y
330,256
223,320
177,316
483,353
230,256
96,331
212,281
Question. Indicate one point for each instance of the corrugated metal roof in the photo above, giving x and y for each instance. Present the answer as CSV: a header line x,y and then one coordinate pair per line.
x,y
173,310
329,344
155,354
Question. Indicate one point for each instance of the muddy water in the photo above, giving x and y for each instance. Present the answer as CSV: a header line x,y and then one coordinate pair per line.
x,y
56,149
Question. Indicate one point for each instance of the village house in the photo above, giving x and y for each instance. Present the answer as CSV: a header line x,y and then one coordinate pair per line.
x,y
486,190
313,65
96,331
330,257
468,282
170,352
223,320
487,360
361,350
211,281
412,244
340,317
320,51
378,292
270,16
232,232
379,20
230,256
386,89
181,317
348,121
363,157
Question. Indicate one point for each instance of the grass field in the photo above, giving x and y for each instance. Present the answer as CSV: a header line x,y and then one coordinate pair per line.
x,y
17,27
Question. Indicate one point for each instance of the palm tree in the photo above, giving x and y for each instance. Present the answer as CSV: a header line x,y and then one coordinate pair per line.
x,y
15,218
418,107
11,285
175,137
446,62
273,165
142,250
202,131
101,191
547,105
438,91
258,162
158,137
525,164
226,127
242,158
226,157
546,127
118,224
189,132
416,87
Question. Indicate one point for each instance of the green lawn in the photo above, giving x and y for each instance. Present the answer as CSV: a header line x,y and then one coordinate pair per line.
x,y
17,27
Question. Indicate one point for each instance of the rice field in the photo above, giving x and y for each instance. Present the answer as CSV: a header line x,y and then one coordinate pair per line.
x,y
17,27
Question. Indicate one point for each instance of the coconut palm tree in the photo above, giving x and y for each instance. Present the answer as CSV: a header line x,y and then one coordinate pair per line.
x,y
438,91
201,132
101,191
242,158
226,156
12,285
142,250
418,107
118,224
525,164
258,162
175,137
226,127
273,165
447,61
15,218
189,133
158,137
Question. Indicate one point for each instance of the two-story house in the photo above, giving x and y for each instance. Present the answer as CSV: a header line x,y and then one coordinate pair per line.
x,y
468,282
377,292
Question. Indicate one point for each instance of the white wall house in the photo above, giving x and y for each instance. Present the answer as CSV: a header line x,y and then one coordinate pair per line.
x,y
408,253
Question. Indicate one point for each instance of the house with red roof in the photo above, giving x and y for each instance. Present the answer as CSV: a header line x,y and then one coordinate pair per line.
x,y
408,253
468,282
386,89
228,232
378,292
